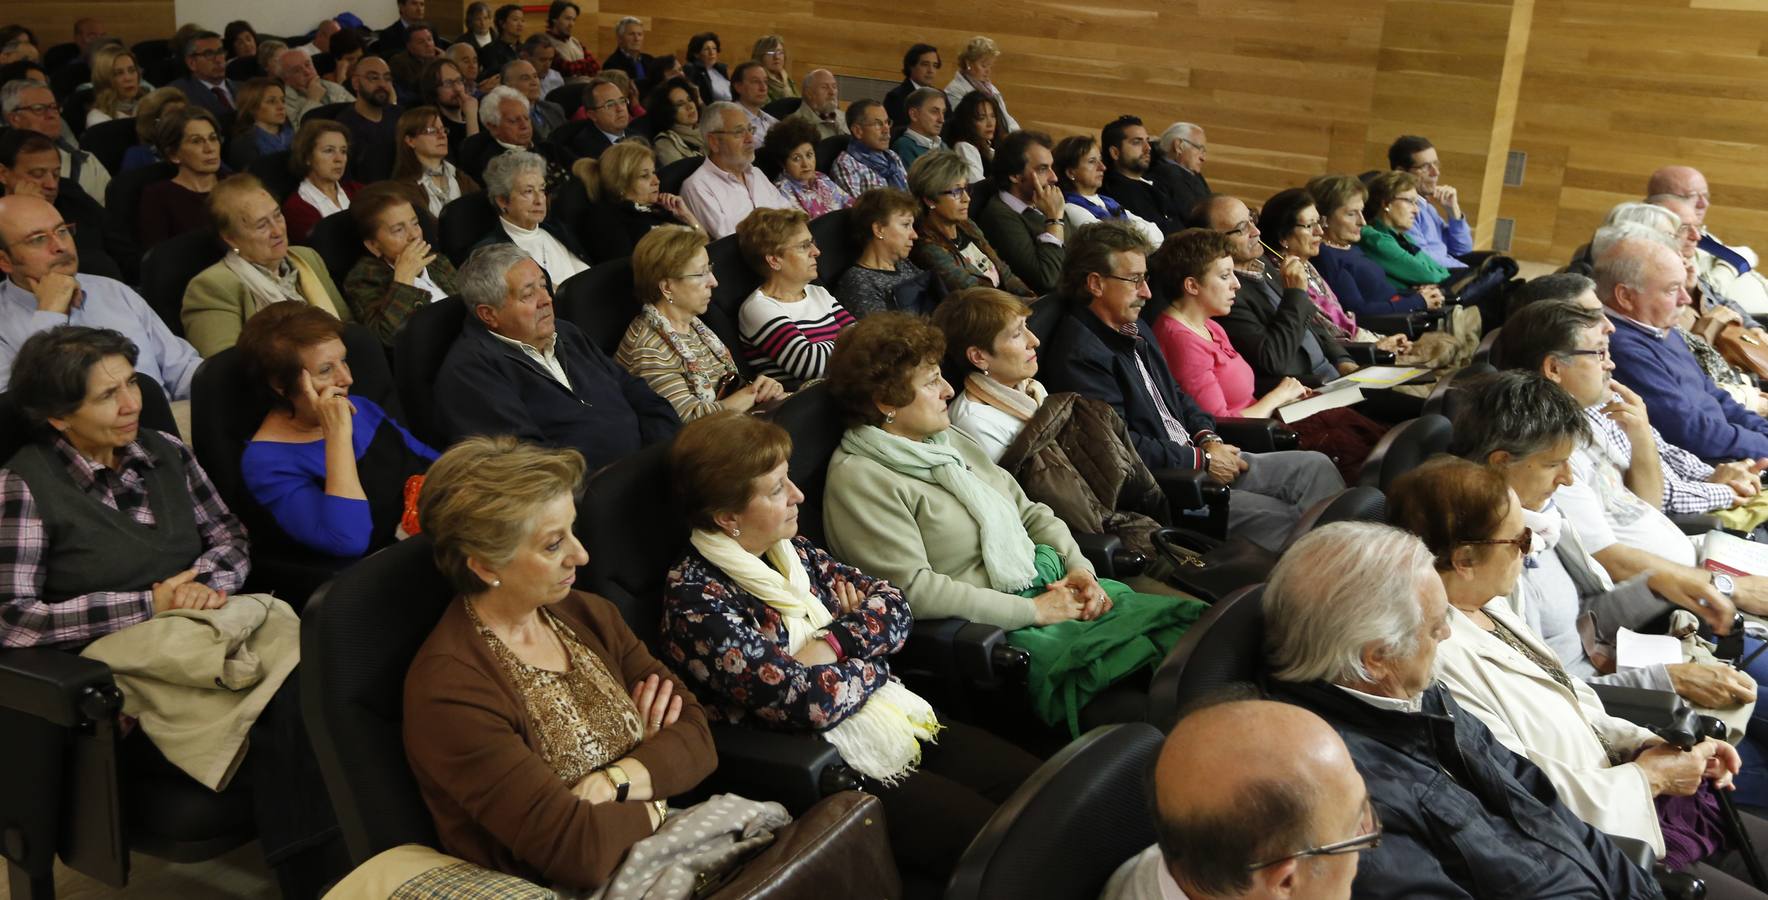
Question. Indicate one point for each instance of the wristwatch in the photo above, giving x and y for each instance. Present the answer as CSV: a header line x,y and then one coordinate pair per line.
x,y
617,777
1724,584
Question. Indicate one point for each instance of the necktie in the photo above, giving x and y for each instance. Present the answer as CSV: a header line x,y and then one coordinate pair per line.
x,y
221,95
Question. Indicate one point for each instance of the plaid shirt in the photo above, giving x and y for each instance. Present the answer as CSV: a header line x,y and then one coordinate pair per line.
x,y
1686,489
28,620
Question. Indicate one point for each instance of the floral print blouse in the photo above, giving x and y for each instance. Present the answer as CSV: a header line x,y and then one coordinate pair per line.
x,y
822,196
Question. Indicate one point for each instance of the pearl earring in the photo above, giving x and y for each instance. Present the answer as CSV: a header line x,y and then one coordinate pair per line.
x,y
890,417
497,582
735,532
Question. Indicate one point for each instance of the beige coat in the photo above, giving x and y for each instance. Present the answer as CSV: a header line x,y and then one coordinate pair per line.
x,y
216,304
1538,719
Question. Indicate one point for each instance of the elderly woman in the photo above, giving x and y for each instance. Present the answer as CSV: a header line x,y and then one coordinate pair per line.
x,y
1358,281
1291,225
883,223
262,124
919,503
770,51
543,735
1193,283
1393,206
623,185
772,629
972,130
1080,171
975,75
674,109
240,40
190,138
1612,773
667,345
117,85
947,243
331,469
260,268
478,25
704,69
788,325
320,155
421,159
516,183
793,143
401,271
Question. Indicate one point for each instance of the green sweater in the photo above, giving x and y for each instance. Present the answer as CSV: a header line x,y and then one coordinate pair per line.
x,y
1405,270
921,539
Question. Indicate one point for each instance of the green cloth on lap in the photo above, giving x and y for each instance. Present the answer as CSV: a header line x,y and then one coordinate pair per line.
x,y
1072,662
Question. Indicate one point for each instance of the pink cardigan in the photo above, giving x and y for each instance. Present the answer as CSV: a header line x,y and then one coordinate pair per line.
x,y
1212,372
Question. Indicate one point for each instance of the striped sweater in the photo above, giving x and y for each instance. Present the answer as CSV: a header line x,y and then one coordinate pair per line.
x,y
791,342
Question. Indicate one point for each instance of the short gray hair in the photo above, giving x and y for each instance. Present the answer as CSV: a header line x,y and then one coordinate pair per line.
x,y
12,95
1618,253
501,172
484,277
712,117
804,83
491,105
268,51
935,172
1648,214
620,26
1339,589
1174,132
276,66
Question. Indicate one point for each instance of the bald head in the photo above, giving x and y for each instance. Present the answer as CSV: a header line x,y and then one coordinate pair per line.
x,y
1299,790
1682,181
22,220
821,92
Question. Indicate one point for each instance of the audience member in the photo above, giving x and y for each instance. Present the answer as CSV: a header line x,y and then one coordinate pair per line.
x,y
1022,216
147,120
207,85
925,121
372,121
793,143
189,138
1444,239
504,374
976,74
1353,615
773,629
466,58
444,88
509,22
1080,173
87,31
675,113
621,80
401,271
419,50
727,187
422,159
261,126
920,65
303,89
546,115
17,44
393,37
947,242
347,50
1290,225
330,468
516,184
973,130
1179,166
1387,237
788,325
322,37
29,105
821,106
883,225
623,186
544,737
629,54
117,85
30,166
45,288
260,268
770,52
1358,281
478,26
868,162
508,129
1731,270
705,71
1104,351
1708,300
1128,156
609,115
749,88
321,156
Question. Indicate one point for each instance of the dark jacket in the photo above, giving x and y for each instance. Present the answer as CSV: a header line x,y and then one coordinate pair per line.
x,y
202,95
1361,285
478,151
489,387
1094,360
1149,200
547,117
1015,237
1462,816
494,55
643,70
1185,187
589,141
896,105
697,74
1076,457
1271,337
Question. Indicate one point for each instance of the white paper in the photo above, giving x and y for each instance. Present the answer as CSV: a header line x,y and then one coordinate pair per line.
x,y
1637,651
1733,555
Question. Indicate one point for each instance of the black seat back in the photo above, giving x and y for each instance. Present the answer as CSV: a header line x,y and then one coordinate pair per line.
x,y
816,426
600,300
335,239
629,524
167,269
1070,825
108,141
1451,393
1224,649
736,281
1483,355
782,107
79,100
671,178
831,231
418,351
1355,504
464,222
569,97
149,52
1401,450
122,214
359,634
330,111
273,170
827,149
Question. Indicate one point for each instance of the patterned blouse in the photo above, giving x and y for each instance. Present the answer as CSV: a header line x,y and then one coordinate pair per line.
x,y
685,368
823,195
950,260
729,644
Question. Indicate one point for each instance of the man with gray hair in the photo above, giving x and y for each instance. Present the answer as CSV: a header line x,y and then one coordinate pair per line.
x,y
925,109
1179,167
629,54
1732,269
523,74
822,104
727,187
539,52
31,106
506,127
517,370
1353,614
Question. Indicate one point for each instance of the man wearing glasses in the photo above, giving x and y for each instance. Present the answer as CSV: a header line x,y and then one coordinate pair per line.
x,y
1289,821
1442,238
30,106
207,85
727,187
610,114
1183,151
1731,270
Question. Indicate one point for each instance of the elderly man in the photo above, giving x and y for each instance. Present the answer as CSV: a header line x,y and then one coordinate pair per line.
x,y
926,120
44,288
1273,323
868,162
1707,297
545,114
629,54
1179,169
609,113
539,52
1023,217
419,49
373,121
30,106
466,58
1289,821
749,89
508,128
30,166
1353,614
1732,270
1444,235
1128,157
1103,350
516,184
727,187
920,65
516,370
822,106
207,85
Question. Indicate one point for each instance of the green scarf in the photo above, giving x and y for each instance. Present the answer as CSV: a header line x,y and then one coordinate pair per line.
x,y
1007,551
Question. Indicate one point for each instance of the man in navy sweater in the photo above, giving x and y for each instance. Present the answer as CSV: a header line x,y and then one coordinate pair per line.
x,y
1640,280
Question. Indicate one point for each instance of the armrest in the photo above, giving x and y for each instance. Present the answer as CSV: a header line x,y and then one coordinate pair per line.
x,y
1192,495
1697,523
57,686
957,651
1364,353
1411,324
1641,706
1256,435
798,770
1109,556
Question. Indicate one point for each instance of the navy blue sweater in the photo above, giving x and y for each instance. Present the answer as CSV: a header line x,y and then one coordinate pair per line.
x,y
1686,406
1361,285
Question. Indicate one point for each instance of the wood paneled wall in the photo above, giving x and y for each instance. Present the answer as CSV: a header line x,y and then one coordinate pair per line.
x,y
53,22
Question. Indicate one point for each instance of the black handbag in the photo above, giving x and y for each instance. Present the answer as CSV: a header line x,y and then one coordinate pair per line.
x,y
1208,567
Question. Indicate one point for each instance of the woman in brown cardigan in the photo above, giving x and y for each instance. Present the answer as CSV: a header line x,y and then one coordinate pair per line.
x,y
543,735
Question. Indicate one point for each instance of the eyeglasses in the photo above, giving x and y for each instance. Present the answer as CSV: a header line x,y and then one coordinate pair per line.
x,y
1136,280
1366,841
1194,144
696,276
1696,196
873,123
1521,542
611,104
1241,230
774,53
63,234
1315,225
1407,200
735,132
802,246
451,82
205,54
431,131
37,109
1599,354
962,190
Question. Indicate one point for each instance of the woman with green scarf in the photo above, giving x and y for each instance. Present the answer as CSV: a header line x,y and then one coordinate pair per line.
x,y
1392,208
917,502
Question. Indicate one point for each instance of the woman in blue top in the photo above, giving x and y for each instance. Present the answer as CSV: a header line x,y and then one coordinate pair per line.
x,y
1360,282
331,469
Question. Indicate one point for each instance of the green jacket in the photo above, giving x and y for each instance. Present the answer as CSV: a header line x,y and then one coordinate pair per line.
x,y
1406,268
216,304
381,303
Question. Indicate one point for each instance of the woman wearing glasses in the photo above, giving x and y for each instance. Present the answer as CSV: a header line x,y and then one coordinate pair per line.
x,y
770,51
947,243
422,159
190,138
1392,208
788,325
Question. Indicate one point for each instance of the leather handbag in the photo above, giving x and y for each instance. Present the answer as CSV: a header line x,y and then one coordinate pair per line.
x,y
1207,567
1742,349
837,848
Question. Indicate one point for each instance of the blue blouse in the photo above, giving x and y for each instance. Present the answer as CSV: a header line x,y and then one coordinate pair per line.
x,y
289,480
277,142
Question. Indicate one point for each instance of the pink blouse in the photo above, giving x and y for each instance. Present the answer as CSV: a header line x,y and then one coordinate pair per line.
x,y
1212,372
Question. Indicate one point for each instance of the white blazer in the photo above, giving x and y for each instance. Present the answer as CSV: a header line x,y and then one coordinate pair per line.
x,y
1538,719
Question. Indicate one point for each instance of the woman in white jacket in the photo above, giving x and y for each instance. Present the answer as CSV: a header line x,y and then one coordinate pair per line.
x,y
976,73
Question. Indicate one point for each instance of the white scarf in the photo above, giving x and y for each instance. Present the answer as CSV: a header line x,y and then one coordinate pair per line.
x,y
317,199
883,738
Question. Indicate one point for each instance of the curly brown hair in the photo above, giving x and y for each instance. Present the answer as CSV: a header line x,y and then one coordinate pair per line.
x,y
875,361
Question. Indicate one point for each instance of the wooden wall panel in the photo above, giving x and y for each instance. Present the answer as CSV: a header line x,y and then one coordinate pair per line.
x,y
132,20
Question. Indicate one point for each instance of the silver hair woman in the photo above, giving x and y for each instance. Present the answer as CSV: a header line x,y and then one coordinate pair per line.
x,y
516,184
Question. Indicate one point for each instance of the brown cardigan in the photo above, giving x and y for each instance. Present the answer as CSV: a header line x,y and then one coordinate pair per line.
x,y
495,801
